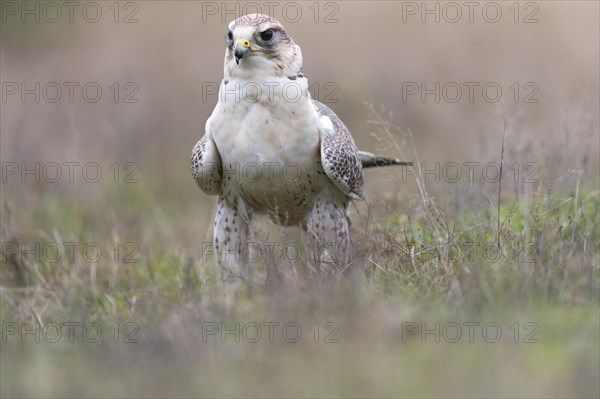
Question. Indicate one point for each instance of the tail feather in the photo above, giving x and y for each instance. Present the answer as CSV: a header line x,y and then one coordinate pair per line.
x,y
369,160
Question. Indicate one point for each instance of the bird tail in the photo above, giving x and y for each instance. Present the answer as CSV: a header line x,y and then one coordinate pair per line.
x,y
369,160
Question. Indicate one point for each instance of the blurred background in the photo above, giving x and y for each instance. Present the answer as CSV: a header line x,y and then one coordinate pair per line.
x,y
545,65
126,88
130,85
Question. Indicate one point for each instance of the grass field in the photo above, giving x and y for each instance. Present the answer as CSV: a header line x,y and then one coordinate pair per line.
x,y
461,285
434,307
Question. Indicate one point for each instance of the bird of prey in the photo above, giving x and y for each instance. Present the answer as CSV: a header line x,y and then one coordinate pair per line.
x,y
270,149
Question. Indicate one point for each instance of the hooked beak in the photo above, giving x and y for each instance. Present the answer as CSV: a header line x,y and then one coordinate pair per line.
x,y
242,47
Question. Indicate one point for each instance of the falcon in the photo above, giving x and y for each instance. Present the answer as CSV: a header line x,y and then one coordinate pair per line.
x,y
270,149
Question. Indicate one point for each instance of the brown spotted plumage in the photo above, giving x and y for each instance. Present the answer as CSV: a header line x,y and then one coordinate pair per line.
x,y
339,155
206,166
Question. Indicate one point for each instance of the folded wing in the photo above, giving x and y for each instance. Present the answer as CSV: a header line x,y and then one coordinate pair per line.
x,y
206,166
339,156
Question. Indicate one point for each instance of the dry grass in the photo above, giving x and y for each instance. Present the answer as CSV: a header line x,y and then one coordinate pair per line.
x,y
426,250
430,260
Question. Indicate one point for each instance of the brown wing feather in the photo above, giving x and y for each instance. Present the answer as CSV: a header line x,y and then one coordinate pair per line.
x,y
339,155
206,166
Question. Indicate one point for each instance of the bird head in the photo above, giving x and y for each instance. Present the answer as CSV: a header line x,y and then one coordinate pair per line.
x,y
259,43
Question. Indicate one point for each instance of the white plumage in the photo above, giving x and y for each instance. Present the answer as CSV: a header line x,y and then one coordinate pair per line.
x,y
270,149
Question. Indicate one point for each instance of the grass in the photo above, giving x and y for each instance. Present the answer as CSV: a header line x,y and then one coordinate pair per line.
x,y
427,264
430,268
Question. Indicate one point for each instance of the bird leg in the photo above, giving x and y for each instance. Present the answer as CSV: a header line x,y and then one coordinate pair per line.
x,y
327,225
231,245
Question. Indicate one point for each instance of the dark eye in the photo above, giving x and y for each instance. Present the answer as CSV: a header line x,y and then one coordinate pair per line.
x,y
266,35
230,35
